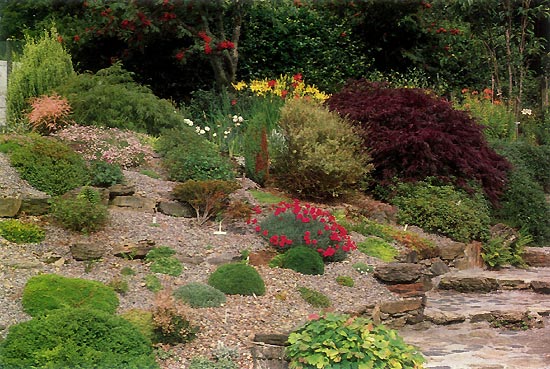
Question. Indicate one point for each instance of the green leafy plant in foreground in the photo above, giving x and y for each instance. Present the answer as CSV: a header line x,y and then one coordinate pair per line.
x,y
339,341
17,231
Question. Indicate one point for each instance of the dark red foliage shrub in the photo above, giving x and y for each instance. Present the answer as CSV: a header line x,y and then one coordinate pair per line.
x,y
413,134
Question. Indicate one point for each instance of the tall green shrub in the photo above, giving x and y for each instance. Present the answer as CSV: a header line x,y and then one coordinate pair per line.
x,y
43,66
322,156
111,98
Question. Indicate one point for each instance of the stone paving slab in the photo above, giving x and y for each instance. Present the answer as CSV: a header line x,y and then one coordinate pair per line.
x,y
479,346
468,305
527,275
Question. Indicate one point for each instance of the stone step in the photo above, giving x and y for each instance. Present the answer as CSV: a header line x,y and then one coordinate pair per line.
x,y
483,281
537,256
514,307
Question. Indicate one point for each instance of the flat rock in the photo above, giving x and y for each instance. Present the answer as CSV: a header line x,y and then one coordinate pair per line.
x,y
121,190
537,256
135,202
401,306
87,251
541,287
176,209
451,250
399,272
133,250
35,205
469,284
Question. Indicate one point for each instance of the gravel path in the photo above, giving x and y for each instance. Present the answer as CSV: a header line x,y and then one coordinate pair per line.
x,y
280,310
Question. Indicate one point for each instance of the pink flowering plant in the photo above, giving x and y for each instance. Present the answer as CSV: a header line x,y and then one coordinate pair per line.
x,y
111,145
293,224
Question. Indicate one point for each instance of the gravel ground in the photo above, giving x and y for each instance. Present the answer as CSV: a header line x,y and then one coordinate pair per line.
x,y
280,310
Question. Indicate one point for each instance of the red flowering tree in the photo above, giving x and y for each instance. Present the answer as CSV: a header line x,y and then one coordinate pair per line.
x,y
413,134
209,28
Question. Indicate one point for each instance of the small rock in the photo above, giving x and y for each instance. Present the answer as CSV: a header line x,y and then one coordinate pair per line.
x,y
87,251
176,209
134,202
133,250
444,318
401,306
9,206
541,287
438,267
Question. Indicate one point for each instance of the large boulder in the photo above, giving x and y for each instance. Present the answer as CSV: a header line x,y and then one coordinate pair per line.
x,y
9,206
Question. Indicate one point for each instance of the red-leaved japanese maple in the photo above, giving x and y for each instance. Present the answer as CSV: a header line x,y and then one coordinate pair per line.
x,y
413,134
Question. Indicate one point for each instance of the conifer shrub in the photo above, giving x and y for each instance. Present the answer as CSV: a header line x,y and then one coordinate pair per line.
x,y
443,210
412,134
42,67
237,279
14,230
76,338
171,322
206,197
142,320
322,155
187,155
81,213
49,165
198,295
304,260
111,98
47,292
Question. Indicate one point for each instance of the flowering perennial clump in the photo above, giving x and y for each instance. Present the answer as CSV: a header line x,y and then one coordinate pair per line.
x,y
111,145
284,86
294,224
49,113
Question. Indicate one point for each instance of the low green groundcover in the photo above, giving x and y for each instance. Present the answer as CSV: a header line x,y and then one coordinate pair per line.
x,y
76,338
47,292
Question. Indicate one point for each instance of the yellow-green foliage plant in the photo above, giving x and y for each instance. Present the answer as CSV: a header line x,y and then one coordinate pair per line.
x,y
342,341
322,155
43,66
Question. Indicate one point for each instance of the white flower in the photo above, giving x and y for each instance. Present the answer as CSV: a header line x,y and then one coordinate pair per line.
x,y
237,124
202,131
226,132
207,128
189,122
214,134
526,111
197,129
225,136
240,119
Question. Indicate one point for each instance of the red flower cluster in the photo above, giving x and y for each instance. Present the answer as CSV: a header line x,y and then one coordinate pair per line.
x,y
180,55
324,235
271,83
166,16
454,31
143,18
207,39
127,24
226,44
76,38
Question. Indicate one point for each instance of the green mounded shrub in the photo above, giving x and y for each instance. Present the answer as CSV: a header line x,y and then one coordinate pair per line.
x,y
83,213
443,210
50,166
533,160
111,98
304,260
152,283
314,298
198,295
43,66
378,248
105,174
322,157
187,155
342,341
207,197
524,206
47,292
76,338
237,279
345,280
17,231
142,320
